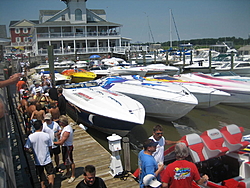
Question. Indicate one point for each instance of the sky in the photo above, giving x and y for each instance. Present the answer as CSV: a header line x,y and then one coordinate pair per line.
x,y
149,20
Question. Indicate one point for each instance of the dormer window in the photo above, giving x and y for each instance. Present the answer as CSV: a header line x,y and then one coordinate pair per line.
x,y
17,30
63,17
78,15
25,30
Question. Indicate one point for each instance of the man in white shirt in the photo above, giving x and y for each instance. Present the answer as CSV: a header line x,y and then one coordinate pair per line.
x,y
66,140
54,130
40,144
158,137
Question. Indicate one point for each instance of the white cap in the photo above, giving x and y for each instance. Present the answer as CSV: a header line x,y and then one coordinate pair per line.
x,y
150,180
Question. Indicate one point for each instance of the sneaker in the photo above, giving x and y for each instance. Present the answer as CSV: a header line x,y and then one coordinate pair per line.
x,y
71,179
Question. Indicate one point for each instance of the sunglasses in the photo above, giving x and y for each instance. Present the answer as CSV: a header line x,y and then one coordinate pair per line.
x,y
158,133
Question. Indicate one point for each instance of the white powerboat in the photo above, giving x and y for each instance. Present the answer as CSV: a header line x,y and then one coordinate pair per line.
x,y
240,91
230,75
113,61
241,68
58,66
148,58
206,96
117,70
103,109
154,69
60,79
165,102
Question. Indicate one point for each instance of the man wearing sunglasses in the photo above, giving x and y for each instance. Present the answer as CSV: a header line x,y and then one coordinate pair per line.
x,y
158,137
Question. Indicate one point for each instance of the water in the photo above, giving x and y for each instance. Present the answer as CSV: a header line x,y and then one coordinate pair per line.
x,y
196,121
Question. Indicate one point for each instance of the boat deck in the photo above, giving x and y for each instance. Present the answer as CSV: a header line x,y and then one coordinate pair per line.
x,y
88,151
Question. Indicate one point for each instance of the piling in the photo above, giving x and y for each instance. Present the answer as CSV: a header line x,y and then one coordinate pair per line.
x,y
232,61
126,150
210,61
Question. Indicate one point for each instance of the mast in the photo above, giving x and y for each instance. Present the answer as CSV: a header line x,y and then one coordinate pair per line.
x,y
170,32
150,29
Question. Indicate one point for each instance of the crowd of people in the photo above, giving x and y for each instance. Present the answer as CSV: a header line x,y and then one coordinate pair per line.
x,y
49,133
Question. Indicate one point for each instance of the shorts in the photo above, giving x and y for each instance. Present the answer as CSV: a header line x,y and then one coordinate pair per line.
x,y
55,151
40,171
67,154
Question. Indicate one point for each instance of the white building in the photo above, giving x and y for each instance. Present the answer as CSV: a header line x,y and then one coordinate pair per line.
x,y
77,29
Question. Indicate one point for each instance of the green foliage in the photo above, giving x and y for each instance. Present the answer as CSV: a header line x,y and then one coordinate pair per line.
x,y
206,42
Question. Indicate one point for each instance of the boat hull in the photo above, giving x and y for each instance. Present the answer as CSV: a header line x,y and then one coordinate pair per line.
x,y
164,102
107,111
239,91
162,109
100,123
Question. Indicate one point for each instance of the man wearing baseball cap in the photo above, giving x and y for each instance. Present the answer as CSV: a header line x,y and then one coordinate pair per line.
x,y
53,129
147,163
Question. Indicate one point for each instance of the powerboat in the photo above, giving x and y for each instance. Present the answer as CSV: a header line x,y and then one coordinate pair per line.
x,y
60,79
113,61
230,75
81,64
58,66
241,68
206,96
168,102
222,154
202,65
117,70
79,75
240,91
159,68
148,58
102,109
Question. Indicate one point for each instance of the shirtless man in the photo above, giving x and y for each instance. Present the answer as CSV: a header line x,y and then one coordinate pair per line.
x,y
54,110
31,108
38,114
23,105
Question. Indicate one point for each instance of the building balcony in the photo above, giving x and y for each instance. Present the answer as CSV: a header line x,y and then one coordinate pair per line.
x,y
21,44
75,35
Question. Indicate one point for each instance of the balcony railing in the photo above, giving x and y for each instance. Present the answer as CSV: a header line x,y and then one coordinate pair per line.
x,y
76,34
121,49
21,44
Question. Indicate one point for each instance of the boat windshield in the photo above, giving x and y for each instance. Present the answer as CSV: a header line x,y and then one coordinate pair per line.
x,y
80,85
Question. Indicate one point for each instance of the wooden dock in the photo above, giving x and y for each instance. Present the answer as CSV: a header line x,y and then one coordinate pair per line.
x,y
88,151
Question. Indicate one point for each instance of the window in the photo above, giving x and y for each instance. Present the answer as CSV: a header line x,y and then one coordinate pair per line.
x,y
78,14
25,39
17,30
25,30
63,17
18,39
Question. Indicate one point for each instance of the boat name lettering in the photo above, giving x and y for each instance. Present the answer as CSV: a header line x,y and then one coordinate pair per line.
x,y
110,92
84,96
214,134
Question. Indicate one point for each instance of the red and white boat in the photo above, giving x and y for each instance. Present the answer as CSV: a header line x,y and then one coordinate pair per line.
x,y
240,91
221,154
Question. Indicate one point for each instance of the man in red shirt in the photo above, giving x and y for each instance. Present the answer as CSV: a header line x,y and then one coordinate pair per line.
x,y
181,173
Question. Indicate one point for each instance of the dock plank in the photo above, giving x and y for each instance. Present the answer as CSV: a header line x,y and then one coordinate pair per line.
x,y
88,151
